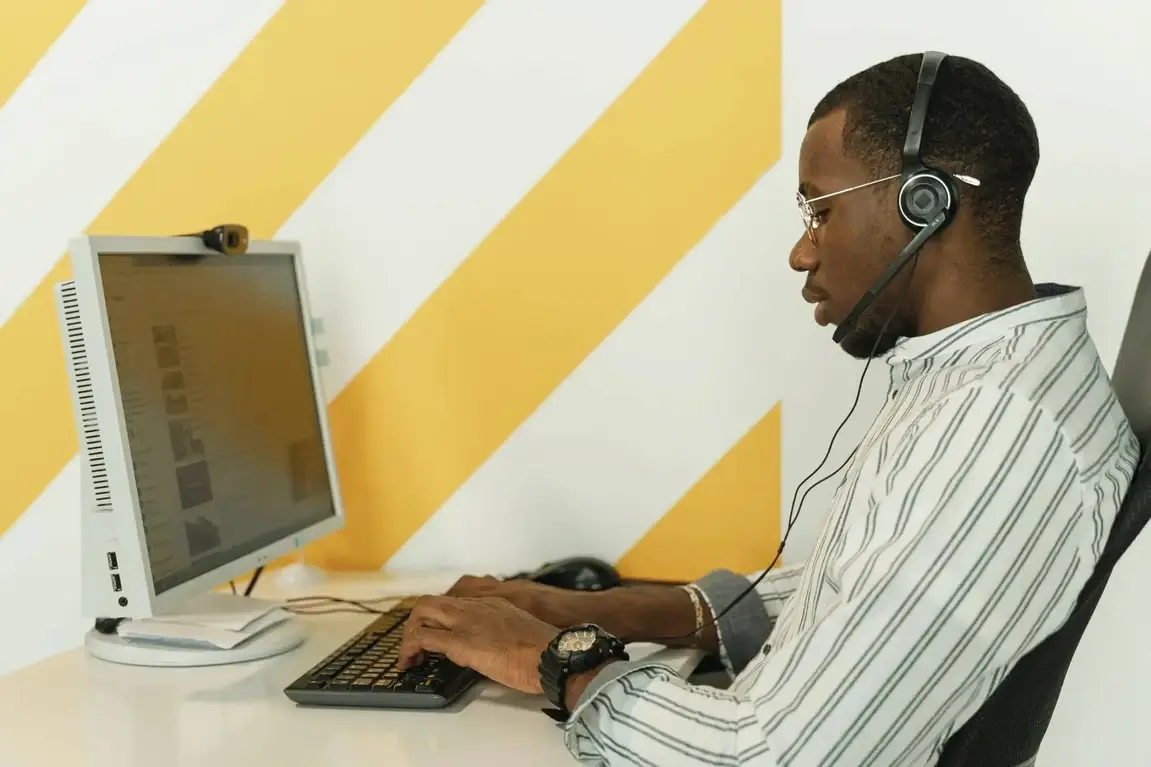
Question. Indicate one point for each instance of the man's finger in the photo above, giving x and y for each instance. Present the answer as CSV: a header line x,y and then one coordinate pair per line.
x,y
435,611
420,639
470,585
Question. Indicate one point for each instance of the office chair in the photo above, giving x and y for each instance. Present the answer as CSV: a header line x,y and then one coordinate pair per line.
x,y
1009,728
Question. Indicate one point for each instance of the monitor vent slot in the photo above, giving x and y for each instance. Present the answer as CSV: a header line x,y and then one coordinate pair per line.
x,y
91,443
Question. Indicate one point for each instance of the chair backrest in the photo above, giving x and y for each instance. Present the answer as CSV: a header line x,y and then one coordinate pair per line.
x,y
1009,727
1132,376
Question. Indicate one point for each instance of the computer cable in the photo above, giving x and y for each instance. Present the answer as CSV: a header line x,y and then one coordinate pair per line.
x,y
312,605
251,583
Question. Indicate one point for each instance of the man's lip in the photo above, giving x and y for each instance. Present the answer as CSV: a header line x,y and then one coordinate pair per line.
x,y
812,297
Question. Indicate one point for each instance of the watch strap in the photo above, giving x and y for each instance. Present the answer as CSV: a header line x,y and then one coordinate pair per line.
x,y
555,671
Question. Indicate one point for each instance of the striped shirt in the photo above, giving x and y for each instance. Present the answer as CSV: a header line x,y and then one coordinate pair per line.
x,y
968,521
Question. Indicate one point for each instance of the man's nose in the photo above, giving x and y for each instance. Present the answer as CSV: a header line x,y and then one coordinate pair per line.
x,y
802,258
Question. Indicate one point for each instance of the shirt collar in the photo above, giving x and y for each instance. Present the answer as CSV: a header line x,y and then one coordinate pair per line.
x,y
1052,301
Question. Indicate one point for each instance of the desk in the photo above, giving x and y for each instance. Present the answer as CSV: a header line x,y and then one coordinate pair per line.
x,y
72,709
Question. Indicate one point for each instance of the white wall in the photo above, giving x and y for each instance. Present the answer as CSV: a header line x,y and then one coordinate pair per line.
x,y
1083,69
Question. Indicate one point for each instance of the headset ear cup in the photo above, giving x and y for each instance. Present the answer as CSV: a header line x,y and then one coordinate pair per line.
x,y
923,196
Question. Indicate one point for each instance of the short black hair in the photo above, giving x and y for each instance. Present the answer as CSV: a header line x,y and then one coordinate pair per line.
x,y
976,125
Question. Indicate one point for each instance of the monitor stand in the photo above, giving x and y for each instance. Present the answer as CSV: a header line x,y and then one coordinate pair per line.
x,y
276,640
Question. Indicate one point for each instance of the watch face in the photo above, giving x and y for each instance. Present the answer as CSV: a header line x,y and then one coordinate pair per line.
x,y
575,641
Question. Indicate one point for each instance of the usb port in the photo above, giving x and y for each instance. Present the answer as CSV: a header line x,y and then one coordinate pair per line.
x,y
115,582
112,565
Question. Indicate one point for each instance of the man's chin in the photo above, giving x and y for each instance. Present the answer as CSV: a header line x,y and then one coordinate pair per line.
x,y
863,345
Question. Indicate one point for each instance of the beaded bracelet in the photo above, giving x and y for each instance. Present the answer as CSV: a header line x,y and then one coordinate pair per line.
x,y
693,592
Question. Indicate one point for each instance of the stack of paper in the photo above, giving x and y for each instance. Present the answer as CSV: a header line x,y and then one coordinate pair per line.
x,y
214,620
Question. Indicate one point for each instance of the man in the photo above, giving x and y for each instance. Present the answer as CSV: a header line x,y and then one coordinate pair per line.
x,y
969,519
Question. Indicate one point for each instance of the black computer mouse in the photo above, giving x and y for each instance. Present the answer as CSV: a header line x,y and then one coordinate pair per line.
x,y
577,573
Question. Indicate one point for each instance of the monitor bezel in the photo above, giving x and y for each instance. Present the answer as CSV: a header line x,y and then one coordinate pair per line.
x,y
86,253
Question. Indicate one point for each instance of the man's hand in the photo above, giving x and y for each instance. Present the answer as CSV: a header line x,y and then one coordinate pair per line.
x,y
635,613
487,634
557,607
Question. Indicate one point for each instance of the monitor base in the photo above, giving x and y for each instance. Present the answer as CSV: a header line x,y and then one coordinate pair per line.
x,y
114,648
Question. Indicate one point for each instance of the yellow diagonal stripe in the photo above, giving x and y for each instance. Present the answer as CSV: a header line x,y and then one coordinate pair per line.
x,y
27,30
294,102
675,151
730,518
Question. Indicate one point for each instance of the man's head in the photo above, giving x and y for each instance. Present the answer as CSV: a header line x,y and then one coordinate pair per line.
x,y
976,126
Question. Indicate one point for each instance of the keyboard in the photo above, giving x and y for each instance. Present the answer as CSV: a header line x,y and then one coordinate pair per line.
x,y
362,672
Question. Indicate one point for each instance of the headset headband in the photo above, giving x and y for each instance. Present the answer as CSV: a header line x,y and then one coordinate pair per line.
x,y
927,72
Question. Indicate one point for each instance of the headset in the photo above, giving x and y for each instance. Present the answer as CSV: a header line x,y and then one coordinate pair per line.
x,y
928,197
928,201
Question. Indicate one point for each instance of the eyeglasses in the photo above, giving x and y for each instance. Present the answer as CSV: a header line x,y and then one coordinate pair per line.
x,y
811,221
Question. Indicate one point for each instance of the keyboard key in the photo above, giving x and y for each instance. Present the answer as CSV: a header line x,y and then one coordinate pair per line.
x,y
430,686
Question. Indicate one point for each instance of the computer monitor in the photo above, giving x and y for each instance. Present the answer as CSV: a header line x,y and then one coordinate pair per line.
x,y
201,418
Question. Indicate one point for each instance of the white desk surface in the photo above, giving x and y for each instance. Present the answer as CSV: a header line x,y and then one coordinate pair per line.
x,y
73,709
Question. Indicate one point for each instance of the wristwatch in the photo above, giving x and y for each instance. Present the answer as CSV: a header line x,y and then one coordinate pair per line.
x,y
575,649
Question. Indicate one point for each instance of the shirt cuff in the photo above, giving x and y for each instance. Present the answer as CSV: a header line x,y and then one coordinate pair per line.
x,y
608,675
746,627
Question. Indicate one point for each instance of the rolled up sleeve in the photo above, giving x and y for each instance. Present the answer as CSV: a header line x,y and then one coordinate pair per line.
x,y
746,627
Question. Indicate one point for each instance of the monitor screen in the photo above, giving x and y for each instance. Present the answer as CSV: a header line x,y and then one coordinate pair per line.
x,y
219,405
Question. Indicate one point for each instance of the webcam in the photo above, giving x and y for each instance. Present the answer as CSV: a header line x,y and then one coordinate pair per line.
x,y
229,239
